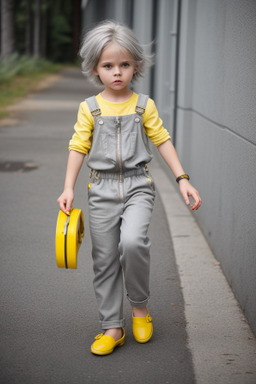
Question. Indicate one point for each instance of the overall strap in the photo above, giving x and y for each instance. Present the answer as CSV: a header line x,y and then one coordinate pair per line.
x,y
93,106
141,104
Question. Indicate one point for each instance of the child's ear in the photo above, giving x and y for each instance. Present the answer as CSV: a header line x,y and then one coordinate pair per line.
x,y
135,70
95,72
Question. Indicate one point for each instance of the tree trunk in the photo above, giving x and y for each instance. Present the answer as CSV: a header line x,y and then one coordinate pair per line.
x,y
7,28
28,28
43,29
76,27
36,50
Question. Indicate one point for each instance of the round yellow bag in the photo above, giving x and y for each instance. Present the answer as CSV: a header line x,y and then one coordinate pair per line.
x,y
68,239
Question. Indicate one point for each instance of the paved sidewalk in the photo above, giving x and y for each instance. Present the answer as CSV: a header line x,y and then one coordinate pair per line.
x,y
49,316
222,344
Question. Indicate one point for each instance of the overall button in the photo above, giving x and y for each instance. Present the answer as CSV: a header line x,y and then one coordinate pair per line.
x,y
137,119
101,122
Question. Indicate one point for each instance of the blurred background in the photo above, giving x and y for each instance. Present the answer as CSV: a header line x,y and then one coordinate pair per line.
x,y
204,85
41,28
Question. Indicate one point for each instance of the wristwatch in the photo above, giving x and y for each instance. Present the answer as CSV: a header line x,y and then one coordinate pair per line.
x,y
185,176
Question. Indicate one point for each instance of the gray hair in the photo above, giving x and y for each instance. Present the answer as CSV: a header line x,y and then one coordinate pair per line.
x,y
100,36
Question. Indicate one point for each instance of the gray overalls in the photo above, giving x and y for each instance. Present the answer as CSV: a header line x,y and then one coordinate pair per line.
x,y
121,197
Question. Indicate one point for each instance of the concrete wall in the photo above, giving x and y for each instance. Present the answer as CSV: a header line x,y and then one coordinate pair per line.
x,y
97,10
214,101
142,22
216,132
165,61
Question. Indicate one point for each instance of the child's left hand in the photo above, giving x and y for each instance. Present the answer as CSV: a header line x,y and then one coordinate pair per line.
x,y
186,189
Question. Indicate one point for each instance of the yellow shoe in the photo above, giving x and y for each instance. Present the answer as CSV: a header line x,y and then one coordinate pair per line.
x,y
105,344
142,328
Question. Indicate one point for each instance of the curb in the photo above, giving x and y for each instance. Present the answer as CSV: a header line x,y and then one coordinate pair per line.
x,y
222,344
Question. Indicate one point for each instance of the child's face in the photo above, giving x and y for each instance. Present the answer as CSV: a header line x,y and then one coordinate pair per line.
x,y
115,67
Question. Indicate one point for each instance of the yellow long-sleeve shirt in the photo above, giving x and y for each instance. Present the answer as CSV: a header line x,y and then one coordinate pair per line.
x,y
82,138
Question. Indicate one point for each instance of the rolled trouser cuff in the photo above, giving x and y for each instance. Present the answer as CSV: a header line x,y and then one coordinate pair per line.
x,y
139,304
113,324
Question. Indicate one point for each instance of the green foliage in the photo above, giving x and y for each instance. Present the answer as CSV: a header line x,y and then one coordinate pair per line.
x,y
20,26
23,65
56,29
60,36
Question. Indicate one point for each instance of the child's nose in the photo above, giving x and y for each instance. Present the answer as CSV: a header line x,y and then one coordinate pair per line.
x,y
117,70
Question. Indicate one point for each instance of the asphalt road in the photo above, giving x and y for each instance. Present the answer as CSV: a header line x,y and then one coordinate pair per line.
x,y
49,316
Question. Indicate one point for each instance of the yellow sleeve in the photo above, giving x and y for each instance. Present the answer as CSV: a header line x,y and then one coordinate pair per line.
x,y
154,125
82,138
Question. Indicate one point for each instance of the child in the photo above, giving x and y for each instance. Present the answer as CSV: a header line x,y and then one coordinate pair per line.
x,y
113,129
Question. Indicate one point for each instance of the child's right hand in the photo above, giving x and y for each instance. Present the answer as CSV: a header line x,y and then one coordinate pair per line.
x,y
66,199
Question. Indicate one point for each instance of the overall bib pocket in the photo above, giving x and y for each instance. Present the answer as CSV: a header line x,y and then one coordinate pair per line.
x,y
129,143
108,145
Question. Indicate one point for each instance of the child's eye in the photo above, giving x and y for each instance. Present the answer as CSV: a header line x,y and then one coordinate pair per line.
x,y
126,65
107,66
